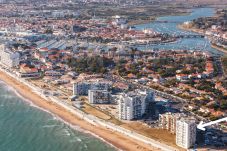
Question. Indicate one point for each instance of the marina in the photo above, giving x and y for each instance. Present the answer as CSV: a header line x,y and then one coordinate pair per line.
x,y
74,76
169,25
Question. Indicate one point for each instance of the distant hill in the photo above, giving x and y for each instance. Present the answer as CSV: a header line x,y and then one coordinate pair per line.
x,y
202,2
130,2
139,2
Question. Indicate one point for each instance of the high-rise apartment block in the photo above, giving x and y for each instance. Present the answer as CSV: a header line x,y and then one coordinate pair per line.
x,y
99,96
186,132
133,105
8,57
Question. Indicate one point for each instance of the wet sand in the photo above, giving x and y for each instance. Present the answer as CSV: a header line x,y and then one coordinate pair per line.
x,y
118,140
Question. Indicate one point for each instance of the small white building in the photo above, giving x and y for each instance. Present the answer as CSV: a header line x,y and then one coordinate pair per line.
x,y
118,21
8,57
181,77
224,36
185,132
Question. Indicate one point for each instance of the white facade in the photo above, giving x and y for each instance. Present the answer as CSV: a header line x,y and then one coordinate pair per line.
x,y
185,132
168,121
133,105
9,58
81,88
224,36
118,20
99,96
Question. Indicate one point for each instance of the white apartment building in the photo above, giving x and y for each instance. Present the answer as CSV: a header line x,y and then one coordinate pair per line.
x,y
168,121
133,105
81,88
99,96
186,132
8,57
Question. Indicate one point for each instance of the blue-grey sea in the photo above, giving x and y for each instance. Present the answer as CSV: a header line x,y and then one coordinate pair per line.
x,y
24,127
170,27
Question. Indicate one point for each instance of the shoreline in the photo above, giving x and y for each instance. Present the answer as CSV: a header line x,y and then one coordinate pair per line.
x,y
139,22
202,33
112,138
74,127
191,30
219,48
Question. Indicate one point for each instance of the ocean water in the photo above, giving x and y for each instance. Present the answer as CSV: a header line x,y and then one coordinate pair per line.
x,y
171,27
24,127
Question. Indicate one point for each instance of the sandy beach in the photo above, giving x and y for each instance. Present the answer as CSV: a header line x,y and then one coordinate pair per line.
x,y
116,139
191,29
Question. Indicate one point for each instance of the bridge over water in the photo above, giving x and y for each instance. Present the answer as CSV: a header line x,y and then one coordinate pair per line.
x,y
180,35
190,36
166,21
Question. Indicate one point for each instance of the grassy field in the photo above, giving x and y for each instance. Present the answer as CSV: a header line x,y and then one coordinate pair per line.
x,y
202,2
157,134
91,110
154,133
87,108
135,14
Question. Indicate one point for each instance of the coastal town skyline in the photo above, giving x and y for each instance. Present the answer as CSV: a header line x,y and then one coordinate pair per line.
x,y
113,75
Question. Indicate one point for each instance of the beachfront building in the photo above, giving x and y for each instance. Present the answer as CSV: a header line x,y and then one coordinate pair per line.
x,y
81,88
133,105
8,57
28,72
99,96
168,121
186,132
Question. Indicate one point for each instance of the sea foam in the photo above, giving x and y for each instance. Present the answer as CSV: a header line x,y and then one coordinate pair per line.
x,y
55,117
